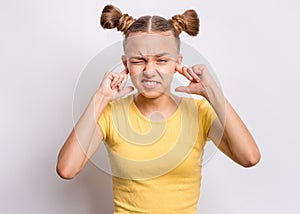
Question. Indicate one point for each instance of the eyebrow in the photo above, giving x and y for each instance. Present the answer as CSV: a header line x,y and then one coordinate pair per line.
x,y
156,55
162,54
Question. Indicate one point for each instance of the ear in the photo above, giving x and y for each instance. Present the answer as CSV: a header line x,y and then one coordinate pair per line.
x,y
124,61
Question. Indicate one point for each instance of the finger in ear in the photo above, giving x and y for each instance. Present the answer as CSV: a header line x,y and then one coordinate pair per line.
x,y
178,68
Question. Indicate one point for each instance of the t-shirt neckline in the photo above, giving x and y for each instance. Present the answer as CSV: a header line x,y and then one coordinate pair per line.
x,y
140,114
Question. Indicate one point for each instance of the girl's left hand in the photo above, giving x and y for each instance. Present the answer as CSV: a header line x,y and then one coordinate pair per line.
x,y
199,77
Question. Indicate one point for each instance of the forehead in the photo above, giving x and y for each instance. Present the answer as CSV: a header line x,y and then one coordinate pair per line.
x,y
142,44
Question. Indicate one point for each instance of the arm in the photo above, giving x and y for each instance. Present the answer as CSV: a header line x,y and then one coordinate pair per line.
x,y
82,141
86,136
228,131
236,141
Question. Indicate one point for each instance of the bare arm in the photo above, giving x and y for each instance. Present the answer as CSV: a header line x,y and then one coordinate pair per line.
x,y
228,131
236,141
82,141
86,136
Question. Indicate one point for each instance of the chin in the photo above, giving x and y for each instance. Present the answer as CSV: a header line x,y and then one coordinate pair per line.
x,y
151,94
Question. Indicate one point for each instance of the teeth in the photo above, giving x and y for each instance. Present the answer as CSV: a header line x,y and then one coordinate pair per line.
x,y
150,83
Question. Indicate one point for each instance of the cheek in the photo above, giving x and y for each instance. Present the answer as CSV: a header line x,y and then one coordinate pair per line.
x,y
134,76
169,69
167,77
135,69
134,73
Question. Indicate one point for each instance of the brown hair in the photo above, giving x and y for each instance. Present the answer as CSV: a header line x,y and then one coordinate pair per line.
x,y
112,17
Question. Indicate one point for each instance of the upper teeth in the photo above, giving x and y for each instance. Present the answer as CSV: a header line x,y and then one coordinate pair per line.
x,y
150,82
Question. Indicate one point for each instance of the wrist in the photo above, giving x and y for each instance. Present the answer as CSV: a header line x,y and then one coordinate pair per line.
x,y
213,92
101,98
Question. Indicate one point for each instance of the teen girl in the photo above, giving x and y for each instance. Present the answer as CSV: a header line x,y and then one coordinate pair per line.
x,y
155,139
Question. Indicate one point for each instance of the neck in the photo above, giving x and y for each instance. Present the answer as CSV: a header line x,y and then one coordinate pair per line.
x,y
166,104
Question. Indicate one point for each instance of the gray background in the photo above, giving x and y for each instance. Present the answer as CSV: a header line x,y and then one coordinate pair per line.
x,y
45,45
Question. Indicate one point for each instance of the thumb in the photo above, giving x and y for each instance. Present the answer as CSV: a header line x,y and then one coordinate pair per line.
x,y
183,89
124,92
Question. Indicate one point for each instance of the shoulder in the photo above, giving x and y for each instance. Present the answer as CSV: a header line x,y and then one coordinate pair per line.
x,y
121,101
115,105
200,103
120,105
199,106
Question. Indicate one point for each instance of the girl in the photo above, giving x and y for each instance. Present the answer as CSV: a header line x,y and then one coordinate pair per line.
x,y
155,139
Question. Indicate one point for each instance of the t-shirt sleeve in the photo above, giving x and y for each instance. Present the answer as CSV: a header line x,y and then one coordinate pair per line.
x,y
207,116
104,121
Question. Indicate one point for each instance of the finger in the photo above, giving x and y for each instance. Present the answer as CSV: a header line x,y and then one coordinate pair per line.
x,y
114,82
183,89
178,68
194,74
198,69
111,75
124,92
121,78
122,83
186,73
183,70
107,73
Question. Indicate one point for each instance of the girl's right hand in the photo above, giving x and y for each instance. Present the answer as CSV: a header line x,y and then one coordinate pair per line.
x,y
113,85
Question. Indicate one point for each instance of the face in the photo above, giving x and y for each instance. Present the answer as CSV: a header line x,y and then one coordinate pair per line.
x,y
151,59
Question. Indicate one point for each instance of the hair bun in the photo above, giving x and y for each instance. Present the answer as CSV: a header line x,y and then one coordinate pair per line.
x,y
125,22
188,22
112,17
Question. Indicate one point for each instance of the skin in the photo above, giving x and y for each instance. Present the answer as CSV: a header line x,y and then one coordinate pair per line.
x,y
236,141
150,61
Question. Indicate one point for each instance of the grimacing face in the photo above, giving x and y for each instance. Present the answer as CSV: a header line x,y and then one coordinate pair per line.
x,y
151,59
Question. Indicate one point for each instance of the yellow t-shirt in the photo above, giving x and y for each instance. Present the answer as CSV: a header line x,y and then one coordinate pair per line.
x,y
156,165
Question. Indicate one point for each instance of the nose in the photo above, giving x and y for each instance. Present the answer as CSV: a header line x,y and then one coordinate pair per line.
x,y
149,70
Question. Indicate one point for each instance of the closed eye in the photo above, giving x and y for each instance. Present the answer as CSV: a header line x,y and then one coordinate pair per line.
x,y
137,61
162,61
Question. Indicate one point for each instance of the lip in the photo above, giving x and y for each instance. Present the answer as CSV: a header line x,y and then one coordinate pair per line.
x,y
149,84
